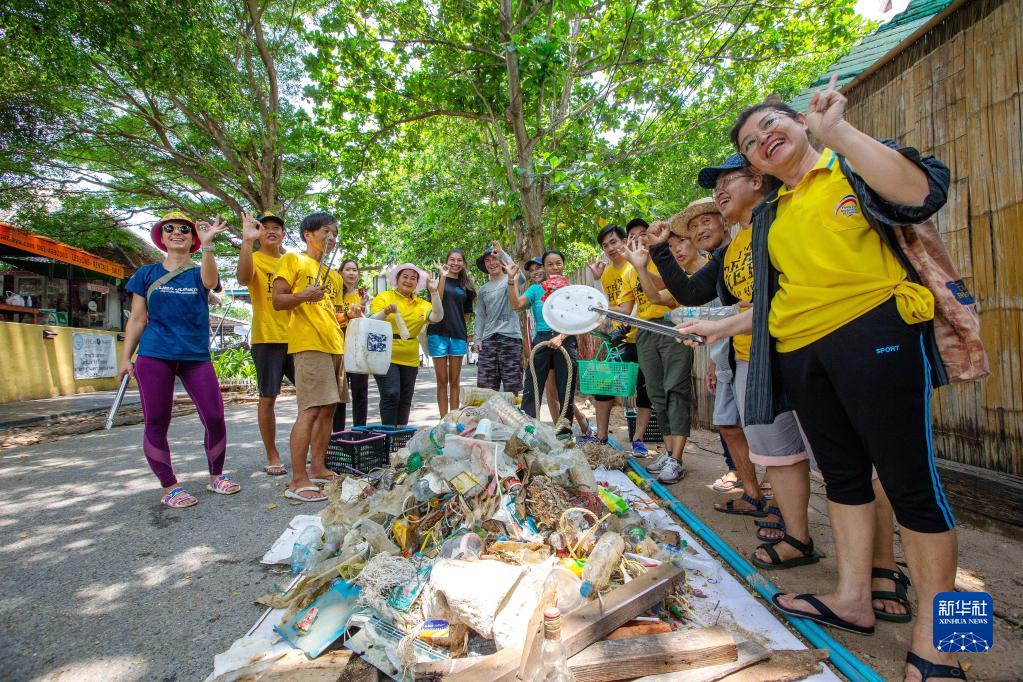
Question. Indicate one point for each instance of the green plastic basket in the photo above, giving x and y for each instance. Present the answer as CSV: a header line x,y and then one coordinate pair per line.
x,y
608,376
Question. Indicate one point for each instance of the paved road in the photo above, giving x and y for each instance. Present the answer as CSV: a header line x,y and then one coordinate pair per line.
x,y
100,582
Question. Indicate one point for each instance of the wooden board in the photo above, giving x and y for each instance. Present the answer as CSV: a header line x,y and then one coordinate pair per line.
x,y
585,625
748,653
295,667
783,666
621,659
640,628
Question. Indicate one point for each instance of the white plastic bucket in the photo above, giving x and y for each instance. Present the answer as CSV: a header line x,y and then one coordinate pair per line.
x,y
368,346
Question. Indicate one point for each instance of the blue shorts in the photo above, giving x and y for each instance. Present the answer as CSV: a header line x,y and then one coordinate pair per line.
x,y
443,346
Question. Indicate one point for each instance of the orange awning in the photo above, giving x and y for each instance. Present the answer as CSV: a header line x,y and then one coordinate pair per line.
x,y
44,246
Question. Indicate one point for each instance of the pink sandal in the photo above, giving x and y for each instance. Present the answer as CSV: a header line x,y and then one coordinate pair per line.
x,y
178,498
223,486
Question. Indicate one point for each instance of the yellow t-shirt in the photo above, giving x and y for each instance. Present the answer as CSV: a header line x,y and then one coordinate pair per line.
x,y
738,275
268,325
347,301
313,325
834,266
645,310
612,279
414,311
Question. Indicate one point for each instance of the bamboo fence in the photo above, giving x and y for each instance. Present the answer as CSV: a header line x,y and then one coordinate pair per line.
x,y
955,93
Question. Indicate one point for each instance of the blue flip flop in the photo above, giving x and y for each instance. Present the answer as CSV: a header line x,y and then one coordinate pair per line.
x,y
824,615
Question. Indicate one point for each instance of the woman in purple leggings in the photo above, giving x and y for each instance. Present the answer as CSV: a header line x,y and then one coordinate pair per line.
x,y
169,324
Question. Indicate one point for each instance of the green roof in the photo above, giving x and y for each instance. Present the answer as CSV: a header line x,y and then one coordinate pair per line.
x,y
873,47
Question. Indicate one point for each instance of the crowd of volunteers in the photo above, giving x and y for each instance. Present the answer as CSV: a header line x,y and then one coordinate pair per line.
x,y
827,363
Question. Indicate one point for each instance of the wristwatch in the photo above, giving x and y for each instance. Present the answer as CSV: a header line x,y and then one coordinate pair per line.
x,y
206,247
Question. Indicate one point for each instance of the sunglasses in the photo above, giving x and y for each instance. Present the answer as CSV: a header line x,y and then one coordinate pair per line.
x,y
183,229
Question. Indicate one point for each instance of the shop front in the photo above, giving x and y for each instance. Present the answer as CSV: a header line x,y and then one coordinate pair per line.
x,y
60,317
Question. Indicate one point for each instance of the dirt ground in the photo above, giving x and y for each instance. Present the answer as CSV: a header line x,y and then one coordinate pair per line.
x,y
988,550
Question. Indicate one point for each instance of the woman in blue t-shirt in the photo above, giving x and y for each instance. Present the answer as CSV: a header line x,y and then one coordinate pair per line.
x,y
549,356
169,324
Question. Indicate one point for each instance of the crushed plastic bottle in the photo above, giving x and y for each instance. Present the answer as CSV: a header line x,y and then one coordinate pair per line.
x,y
603,559
689,312
307,542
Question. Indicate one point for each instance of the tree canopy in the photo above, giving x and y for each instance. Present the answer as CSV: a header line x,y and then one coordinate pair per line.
x,y
422,126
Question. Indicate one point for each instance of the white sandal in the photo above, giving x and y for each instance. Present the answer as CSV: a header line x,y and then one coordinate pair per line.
x,y
297,494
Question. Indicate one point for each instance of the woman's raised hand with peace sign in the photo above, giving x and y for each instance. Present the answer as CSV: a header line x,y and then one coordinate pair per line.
x,y
825,115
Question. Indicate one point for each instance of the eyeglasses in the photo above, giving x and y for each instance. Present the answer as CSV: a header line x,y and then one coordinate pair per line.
x,y
721,186
767,124
183,229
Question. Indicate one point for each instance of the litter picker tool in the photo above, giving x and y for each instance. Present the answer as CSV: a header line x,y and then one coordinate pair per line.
x,y
578,309
320,270
117,401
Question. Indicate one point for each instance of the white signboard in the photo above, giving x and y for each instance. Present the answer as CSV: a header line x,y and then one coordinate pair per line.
x,y
95,355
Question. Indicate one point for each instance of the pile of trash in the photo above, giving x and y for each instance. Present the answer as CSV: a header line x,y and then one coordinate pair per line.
x,y
448,551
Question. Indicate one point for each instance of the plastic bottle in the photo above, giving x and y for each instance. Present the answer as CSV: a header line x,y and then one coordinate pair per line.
x,y
613,502
307,542
497,409
377,538
689,312
440,433
334,535
602,561
420,445
553,664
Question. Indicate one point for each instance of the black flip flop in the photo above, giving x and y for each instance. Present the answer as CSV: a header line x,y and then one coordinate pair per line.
x,y
809,556
771,525
824,615
757,511
901,595
929,670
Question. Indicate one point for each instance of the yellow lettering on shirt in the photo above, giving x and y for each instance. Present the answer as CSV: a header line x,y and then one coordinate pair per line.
x,y
645,310
833,265
313,326
612,279
268,325
738,276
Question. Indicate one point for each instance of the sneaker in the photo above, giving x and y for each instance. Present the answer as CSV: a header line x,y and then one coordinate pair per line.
x,y
588,438
639,448
659,463
672,472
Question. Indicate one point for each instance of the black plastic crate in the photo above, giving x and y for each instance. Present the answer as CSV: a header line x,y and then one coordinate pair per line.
x,y
397,436
653,431
360,450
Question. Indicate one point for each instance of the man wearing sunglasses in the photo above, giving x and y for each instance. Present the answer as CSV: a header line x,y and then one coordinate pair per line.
x,y
269,340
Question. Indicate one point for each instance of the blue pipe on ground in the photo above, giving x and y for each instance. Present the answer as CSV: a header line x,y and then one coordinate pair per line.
x,y
840,657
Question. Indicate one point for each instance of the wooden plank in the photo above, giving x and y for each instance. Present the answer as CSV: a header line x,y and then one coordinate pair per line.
x,y
783,666
748,653
585,625
295,667
621,659
979,491
640,628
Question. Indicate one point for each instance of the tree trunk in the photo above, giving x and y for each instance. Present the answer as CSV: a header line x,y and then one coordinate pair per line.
x,y
529,239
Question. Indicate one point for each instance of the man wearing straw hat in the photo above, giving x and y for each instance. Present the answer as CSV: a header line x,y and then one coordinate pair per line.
x,y
306,285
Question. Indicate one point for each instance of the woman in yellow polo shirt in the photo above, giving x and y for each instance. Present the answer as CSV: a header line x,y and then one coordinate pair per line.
x,y
407,313
842,331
